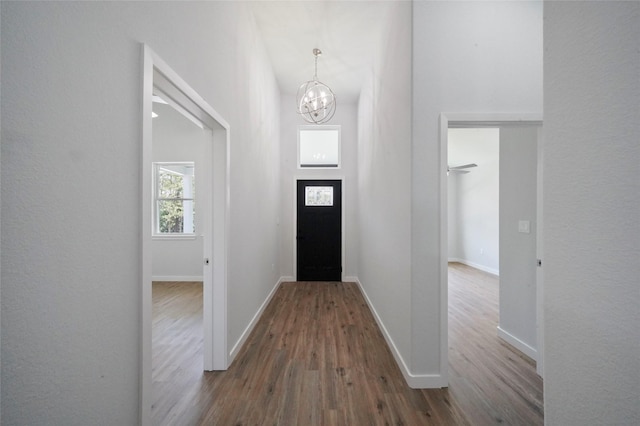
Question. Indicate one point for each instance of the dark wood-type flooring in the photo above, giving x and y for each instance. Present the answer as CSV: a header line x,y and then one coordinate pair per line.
x,y
492,382
317,357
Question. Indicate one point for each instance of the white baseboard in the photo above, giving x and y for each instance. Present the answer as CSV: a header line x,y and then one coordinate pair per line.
x,y
518,344
491,271
350,279
247,331
287,279
415,381
193,278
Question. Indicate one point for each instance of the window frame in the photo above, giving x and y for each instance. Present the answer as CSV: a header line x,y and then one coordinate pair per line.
x,y
337,128
155,220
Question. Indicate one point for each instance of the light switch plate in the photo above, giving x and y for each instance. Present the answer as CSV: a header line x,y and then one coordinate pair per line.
x,y
524,226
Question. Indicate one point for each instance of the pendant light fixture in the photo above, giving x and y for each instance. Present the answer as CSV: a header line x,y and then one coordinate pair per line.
x,y
315,101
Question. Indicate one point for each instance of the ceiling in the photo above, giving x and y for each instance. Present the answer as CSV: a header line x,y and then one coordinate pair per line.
x,y
345,31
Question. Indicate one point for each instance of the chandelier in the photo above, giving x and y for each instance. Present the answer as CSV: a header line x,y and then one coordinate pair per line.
x,y
315,101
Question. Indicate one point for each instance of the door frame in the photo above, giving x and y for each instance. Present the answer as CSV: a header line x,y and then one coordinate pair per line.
x,y
448,119
156,73
296,178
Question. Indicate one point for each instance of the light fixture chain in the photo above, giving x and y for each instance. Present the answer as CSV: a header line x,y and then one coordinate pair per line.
x,y
315,74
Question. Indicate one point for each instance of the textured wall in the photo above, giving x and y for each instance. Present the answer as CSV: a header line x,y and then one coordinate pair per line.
x,y
591,211
71,128
254,173
384,142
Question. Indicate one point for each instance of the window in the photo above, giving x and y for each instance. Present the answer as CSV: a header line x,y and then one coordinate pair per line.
x,y
174,189
318,196
319,146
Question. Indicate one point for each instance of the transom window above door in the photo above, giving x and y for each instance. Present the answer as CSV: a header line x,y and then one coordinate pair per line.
x,y
319,146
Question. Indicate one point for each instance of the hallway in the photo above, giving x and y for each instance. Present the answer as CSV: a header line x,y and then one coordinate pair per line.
x,y
316,357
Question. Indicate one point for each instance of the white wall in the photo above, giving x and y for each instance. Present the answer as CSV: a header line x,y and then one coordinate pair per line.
x,y
518,193
483,57
175,138
254,177
384,153
591,211
345,117
71,233
476,219
452,218
0,229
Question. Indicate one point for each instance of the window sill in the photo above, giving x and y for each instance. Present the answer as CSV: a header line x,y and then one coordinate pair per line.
x,y
175,237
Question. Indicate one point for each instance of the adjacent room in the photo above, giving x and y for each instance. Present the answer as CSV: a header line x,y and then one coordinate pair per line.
x,y
492,175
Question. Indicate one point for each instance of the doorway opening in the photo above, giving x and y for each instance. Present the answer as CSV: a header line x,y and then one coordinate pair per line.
x,y
510,208
160,79
502,121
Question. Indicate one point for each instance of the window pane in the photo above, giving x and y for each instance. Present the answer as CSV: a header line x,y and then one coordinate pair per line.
x,y
170,185
170,216
318,196
319,148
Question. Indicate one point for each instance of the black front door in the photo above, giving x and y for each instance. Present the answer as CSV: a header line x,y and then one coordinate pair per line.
x,y
319,233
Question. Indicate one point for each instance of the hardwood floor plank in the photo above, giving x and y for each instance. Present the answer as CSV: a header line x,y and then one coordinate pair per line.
x,y
487,376
317,357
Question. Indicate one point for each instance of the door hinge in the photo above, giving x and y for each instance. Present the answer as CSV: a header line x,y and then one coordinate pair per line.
x,y
540,262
